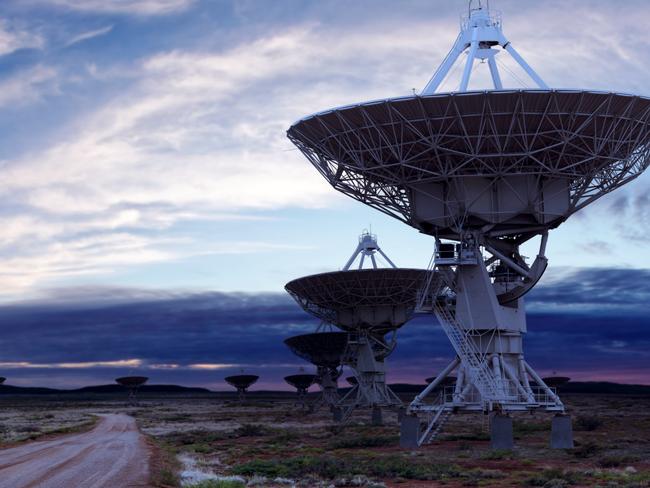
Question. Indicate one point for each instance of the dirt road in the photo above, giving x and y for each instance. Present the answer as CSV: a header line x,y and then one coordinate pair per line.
x,y
114,454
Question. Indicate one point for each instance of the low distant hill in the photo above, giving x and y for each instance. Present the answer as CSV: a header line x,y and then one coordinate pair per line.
x,y
594,387
99,389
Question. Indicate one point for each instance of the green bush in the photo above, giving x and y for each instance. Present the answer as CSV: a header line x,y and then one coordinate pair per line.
x,y
364,441
218,484
251,430
586,450
329,467
588,423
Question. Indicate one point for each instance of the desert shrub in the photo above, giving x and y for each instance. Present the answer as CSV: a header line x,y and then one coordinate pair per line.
x,y
473,436
218,484
329,467
167,477
528,427
553,478
398,467
586,450
364,441
323,466
588,423
615,461
193,437
251,430
497,454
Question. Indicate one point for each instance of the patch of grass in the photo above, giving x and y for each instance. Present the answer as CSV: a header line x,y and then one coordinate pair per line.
x,y
191,437
586,450
251,430
520,427
473,436
329,467
553,478
588,423
498,454
165,465
218,484
166,477
364,441
615,461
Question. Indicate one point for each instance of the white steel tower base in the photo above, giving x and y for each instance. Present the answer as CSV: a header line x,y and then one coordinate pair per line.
x,y
491,372
370,389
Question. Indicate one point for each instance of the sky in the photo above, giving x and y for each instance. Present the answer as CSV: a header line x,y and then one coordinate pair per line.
x,y
152,207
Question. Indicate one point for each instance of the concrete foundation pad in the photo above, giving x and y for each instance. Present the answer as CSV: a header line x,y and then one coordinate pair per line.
x,y
409,432
561,432
501,432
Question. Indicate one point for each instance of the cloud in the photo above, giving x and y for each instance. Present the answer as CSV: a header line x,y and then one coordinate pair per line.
x,y
592,289
28,86
127,7
197,133
199,338
84,36
14,38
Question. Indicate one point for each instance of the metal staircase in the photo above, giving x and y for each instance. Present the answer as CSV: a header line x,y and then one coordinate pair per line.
x,y
482,376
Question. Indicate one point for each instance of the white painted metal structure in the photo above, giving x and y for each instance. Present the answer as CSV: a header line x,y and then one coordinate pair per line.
x,y
369,304
482,172
325,350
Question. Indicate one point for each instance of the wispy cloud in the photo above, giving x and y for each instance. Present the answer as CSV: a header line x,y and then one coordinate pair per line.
x,y
127,7
89,35
120,363
13,38
28,86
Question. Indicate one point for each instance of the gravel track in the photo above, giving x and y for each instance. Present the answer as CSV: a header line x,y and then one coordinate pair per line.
x,y
114,454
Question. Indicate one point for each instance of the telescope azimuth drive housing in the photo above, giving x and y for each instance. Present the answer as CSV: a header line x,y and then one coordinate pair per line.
x,y
486,171
370,305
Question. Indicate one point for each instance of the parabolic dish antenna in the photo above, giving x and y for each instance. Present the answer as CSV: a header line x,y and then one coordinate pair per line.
x,y
132,383
370,304
487,170
377,300
242,382
324,350
300,381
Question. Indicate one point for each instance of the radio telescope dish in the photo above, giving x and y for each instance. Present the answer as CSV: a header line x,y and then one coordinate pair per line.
x,y
242,382
133,384
503,163
377,300
483,172
352,380
370,304
301,382
324,350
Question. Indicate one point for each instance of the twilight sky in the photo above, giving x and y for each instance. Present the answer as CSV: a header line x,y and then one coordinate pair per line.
x,y
146,178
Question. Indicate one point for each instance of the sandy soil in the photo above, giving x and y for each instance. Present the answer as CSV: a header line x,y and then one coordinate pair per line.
x,y
113,454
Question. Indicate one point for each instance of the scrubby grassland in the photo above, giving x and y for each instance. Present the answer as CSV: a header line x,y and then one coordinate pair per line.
x,y
208,442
